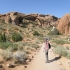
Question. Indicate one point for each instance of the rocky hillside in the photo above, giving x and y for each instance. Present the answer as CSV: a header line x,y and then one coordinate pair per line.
x,y
62,24
18,18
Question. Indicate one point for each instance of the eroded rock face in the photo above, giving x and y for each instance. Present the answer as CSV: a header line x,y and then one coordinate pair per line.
x,y
8,19
40,20
46,20
64,24
17,18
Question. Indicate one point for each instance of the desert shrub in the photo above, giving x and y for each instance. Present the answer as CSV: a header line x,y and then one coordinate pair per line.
x,y
35,33
59,42
6,54
27,47
16,37
20,56
61,51
14,47
2,37
8,44
21,46
68,55
34,46
54,32
5,45
67,42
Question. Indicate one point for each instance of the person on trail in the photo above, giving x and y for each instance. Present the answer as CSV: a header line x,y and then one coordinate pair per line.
x,y
46,48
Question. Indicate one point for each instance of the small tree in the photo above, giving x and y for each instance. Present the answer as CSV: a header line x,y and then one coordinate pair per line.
x,y
4,37
16,37
35,33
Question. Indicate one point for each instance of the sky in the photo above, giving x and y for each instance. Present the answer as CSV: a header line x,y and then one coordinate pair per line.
x,y
57,8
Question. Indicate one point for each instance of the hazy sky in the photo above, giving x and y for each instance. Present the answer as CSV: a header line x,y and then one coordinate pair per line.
x,y
57,8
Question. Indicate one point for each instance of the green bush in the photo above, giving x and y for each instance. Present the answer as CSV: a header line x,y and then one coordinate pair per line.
x,y
54,32
2,37
5,45
16,37
35,33
61,51
59,42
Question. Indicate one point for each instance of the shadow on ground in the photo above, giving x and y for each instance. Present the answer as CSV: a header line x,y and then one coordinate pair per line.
x,y
55,59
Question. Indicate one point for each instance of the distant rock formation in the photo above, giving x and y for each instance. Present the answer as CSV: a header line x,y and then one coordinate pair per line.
x,y
64,24
17,18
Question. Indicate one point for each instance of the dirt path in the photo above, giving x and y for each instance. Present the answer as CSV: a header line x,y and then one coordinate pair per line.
x,y
38,63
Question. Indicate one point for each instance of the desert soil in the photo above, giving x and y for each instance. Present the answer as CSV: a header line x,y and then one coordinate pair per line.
x,y
38,63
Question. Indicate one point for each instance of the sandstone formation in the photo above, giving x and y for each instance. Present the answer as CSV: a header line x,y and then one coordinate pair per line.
x,y
17,18
64,24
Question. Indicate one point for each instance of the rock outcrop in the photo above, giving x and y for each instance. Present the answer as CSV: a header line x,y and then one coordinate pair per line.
x,y
64,24
17,18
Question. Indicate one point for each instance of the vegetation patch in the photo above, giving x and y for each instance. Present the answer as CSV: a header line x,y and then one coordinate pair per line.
x,y
7,55
7,45
20,56
60,42
16,37
35,33
61,51
54,32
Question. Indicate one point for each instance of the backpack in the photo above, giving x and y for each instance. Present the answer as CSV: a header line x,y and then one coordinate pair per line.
x,y
49,46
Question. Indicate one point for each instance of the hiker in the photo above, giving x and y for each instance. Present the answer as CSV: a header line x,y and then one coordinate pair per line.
x,y
46,46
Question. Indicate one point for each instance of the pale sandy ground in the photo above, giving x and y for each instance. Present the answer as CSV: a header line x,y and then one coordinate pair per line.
x,y
38,63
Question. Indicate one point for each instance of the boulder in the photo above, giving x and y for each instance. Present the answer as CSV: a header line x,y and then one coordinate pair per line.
x,y
64,24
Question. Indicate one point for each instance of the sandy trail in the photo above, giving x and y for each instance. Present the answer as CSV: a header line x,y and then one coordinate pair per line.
x,y
38,63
